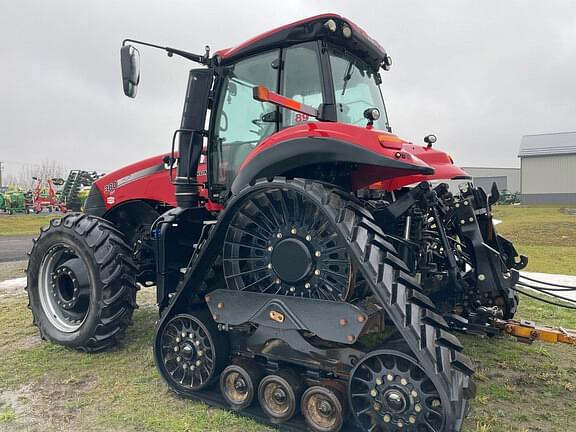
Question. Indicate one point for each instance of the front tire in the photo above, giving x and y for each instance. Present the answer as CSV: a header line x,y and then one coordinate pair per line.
x,y
81,286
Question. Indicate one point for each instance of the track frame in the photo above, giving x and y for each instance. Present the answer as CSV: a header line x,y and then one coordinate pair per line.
x,y
413,314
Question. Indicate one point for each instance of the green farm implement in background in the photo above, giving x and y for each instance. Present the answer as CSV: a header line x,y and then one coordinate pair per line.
x,y
14,200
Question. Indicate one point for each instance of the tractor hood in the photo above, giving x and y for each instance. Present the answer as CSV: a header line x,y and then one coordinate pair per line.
x,y
144,180
383,157
444,168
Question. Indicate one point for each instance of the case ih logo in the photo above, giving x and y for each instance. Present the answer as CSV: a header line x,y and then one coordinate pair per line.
x,y
110,187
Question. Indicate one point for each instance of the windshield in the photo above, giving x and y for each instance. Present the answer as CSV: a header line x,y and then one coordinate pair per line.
x,y
355,89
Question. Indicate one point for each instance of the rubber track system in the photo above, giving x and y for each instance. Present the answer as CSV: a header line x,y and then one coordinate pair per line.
x,y
413,313
425,332
110,265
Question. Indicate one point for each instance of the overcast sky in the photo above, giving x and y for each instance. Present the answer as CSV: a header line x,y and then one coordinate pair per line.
x,y
479,74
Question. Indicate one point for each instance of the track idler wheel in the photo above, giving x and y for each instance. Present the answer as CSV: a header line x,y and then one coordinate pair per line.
x,y
389,391
190,352
323,409
238,385
278,396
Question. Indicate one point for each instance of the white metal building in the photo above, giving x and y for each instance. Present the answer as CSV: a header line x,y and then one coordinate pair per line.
x,y
505,178
548,168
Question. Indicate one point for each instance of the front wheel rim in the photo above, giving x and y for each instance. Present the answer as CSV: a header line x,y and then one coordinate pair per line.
x,y
64,289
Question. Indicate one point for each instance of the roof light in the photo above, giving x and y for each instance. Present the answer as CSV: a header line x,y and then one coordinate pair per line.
x,y
346,31
330,25
386,62
371,114
430,139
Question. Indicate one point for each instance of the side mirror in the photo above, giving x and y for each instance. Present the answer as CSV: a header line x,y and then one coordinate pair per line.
x,y
130,62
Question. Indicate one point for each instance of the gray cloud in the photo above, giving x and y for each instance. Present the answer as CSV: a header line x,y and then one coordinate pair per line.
x,y
479,74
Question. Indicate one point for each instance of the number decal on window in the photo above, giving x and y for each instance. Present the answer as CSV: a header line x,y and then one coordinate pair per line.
x,y
301,118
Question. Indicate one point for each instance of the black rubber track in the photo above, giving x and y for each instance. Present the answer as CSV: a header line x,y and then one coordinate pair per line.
x,y
112,296
413,313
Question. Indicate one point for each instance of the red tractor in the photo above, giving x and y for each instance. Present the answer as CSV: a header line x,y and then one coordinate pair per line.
x,y
308,271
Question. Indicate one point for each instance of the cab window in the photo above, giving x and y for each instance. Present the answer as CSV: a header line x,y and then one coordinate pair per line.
x,y
301,81
355,89
241,122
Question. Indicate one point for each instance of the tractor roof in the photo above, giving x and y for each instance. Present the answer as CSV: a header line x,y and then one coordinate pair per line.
x,y
308,29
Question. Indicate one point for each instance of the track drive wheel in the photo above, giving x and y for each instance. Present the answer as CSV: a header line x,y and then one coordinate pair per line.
x,y
389,391
281,242
323,409
190,352
278,395
81,286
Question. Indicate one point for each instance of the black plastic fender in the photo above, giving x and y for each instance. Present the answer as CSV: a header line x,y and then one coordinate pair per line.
x,y
94,204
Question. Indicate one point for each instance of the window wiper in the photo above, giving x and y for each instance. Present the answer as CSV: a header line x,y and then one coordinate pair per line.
x,y
347,77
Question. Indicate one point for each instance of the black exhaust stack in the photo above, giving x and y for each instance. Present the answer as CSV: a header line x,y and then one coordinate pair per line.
x,y
191,135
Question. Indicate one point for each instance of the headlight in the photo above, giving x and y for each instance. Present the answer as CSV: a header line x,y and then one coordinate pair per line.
x,y
330,25
346,31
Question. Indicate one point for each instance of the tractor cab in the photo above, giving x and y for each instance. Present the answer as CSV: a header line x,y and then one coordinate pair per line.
x,y
322,75
323,69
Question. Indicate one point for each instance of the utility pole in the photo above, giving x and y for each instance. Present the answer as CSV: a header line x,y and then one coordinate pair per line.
x,y
0,174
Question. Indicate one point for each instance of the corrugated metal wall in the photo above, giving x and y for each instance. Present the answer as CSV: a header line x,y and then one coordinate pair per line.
x,y
483,174
486,183
549,174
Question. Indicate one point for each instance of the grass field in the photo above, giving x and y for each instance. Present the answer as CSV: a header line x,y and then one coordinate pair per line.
x,y
43,387
546,235
23,224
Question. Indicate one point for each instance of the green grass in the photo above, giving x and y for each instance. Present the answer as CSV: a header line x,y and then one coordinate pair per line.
x,y
522,387
23,224
545,234
539,312
116,390
7,415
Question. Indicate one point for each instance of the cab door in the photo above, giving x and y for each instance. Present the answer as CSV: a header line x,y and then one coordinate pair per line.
x,y
240,122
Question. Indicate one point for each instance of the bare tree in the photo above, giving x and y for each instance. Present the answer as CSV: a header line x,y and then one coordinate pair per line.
x,y
9,180
46,170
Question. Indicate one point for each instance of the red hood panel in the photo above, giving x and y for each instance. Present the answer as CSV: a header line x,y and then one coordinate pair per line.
x,y
380,142
444,168
146,180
